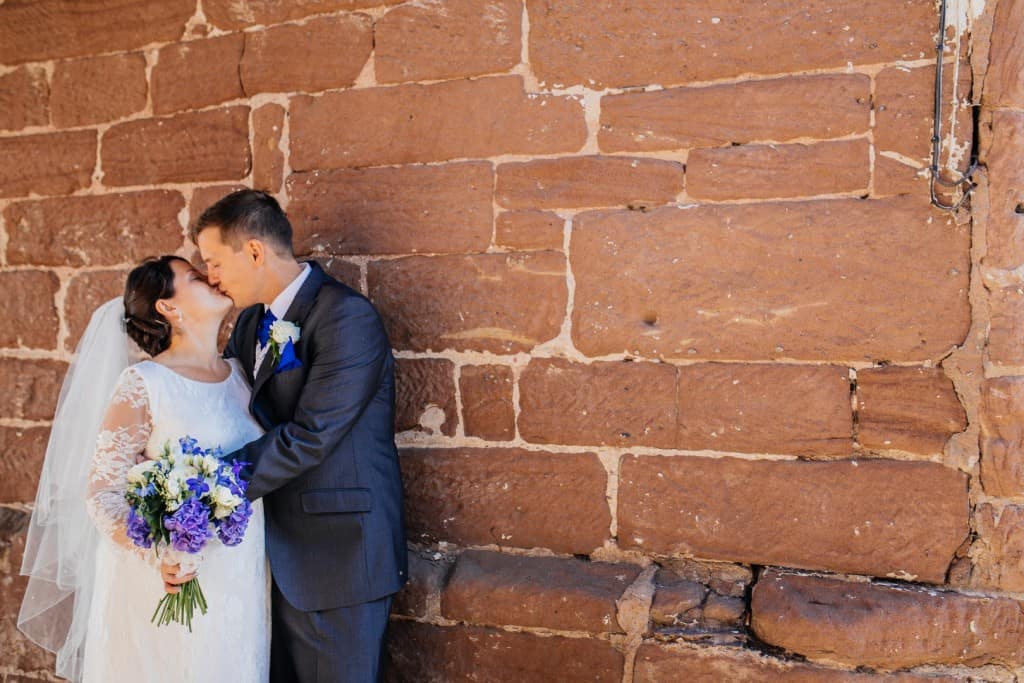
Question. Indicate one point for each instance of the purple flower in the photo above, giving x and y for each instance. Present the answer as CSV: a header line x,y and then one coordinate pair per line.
x,y
231,529
138,530
189,526
236,470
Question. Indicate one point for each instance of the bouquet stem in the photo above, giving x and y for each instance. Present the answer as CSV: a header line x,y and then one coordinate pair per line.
x,y
179,607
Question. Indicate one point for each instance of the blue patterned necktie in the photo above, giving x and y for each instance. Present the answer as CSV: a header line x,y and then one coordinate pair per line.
x,y
263,333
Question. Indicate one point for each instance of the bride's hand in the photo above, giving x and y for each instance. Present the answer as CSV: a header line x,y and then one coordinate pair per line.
x,y
172,582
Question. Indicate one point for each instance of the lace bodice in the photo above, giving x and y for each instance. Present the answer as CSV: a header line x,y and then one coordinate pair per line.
x,y
152,405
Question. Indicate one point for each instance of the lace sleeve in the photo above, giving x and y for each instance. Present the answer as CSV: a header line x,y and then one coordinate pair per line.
x,y
122,437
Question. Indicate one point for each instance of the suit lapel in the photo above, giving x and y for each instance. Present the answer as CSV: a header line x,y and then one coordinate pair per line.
x,y
247,343
297,313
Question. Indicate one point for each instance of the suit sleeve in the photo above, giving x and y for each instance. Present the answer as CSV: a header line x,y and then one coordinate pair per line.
x,y
348,359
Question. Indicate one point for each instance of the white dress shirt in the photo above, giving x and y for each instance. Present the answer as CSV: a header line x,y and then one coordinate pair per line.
x,y
279,306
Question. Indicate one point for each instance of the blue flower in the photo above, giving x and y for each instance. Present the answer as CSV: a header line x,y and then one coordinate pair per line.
x,y
198,486
189,446
288,358
189,526
146,491
138,530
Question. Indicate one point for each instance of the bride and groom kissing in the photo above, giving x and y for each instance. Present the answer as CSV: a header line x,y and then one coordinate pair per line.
x,y
301,403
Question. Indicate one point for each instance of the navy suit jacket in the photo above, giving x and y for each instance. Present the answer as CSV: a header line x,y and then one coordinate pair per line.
x,y
327,467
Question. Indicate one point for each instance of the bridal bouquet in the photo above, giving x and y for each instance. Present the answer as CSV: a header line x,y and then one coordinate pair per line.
x,y
179,502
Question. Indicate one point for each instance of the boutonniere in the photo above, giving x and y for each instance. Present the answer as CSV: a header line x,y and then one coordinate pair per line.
x,y
283,337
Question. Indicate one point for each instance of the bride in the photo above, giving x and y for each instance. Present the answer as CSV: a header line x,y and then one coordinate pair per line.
x,y
91,591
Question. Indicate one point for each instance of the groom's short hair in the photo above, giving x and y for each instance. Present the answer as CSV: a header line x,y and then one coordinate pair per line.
x,y
245,215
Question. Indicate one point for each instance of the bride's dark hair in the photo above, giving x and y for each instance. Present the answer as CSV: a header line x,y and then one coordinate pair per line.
x,y
148,283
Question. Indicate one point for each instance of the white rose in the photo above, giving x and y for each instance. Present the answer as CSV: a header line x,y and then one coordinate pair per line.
x,y
209,465
137,474
222,495
183,474
283,331
225,502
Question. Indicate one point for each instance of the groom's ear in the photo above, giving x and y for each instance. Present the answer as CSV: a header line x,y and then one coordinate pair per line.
x,y
256,252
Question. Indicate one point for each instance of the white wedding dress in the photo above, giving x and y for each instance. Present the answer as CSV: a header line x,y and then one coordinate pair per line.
x,y
231,642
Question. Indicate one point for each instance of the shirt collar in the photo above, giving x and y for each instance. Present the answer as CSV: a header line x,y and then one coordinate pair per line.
x,y
280,305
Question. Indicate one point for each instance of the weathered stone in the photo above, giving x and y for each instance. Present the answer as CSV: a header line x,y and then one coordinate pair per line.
x,y
908,409
875,517
722,611
322,53
600,404
1006,326
28,308
487,410
783,409
506,497
436,209
826,106
657,662
19,652
419,123
86,292
884,626
895,177
547,592
98,89
474,40
425,395
778,171
999,552
94,230
24,98
47,164
52,29
1004,228
236,14
21,460
267,157
13,522
905,110
428,573
723,578
676,43
194,146
345,271
424,652
829,279
1002,436
577,182
529,230
677,601
29,387
487,302
205,197
197,73
1003,84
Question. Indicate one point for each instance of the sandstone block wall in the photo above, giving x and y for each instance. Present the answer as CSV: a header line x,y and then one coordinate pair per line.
x,y
694,384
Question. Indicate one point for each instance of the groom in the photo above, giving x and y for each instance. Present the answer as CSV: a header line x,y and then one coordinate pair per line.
x,y
326,468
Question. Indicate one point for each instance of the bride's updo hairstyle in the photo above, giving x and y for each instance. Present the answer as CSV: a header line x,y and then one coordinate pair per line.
x,y
148,283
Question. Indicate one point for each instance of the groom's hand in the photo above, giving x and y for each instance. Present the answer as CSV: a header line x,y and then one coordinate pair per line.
x,y
172,582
